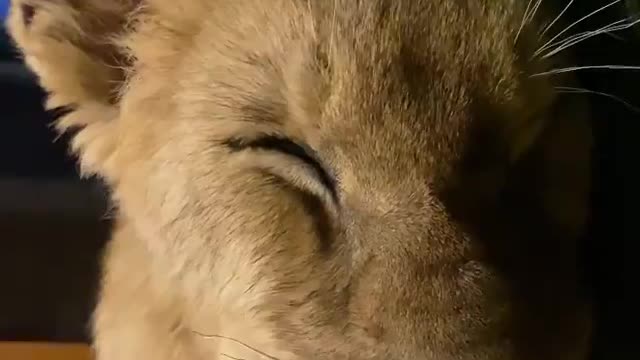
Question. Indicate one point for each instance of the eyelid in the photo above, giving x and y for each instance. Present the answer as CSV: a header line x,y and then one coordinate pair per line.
x,y
287,146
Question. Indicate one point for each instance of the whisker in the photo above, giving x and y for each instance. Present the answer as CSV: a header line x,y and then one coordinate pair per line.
x,y
544,31
590,35
578,35
524,20
576,23
534,11
231,357
574,90
590,67
614,36
206,336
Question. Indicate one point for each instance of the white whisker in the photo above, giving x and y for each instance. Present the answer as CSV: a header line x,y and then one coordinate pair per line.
x,y
574,90
590,35
576,23
591,67
534,11
578,35
231,357
263,354
544,31
524,20
614,36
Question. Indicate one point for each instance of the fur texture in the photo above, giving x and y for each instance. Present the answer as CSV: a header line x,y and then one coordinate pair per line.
x,y
323,179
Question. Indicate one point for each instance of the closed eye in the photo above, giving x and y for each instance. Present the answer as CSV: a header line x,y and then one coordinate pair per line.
x,y
289,147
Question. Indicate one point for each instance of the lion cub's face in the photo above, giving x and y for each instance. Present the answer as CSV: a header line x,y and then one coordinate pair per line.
x,y
348,179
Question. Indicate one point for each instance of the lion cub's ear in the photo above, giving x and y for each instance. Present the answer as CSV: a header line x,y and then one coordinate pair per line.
x,y
70,45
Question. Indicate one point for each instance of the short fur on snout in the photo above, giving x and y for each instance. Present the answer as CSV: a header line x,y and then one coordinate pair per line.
x,y
323,179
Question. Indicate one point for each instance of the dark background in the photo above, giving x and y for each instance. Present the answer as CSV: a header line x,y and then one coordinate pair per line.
x,y
53,226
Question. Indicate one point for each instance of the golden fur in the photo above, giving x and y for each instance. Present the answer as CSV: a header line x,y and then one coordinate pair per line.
x,y
436,219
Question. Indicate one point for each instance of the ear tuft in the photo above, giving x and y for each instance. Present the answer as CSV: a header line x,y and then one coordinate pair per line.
x,y
71,46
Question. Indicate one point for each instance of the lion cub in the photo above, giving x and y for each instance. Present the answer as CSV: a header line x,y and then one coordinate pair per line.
x,y
309,179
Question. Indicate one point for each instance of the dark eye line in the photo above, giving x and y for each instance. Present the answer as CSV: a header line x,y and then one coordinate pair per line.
x,y
286,146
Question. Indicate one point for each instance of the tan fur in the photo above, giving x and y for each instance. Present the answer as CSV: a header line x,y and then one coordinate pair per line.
x,y
423,111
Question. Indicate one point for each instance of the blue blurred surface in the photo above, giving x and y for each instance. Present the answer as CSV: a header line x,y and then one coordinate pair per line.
x,y
4,9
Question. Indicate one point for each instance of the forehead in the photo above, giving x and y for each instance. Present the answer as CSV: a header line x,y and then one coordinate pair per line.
x,y
409,78
366,72
463,39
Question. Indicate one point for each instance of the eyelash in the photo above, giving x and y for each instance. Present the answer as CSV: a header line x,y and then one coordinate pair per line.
x,y
286,146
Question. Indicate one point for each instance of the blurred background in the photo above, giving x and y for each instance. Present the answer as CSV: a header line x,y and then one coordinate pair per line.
x,y
53,226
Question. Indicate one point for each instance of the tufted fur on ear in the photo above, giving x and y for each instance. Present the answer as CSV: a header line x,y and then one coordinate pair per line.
x,y
71,46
